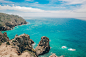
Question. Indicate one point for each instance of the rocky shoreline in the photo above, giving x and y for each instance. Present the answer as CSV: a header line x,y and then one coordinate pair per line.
x,y
22,46
8,22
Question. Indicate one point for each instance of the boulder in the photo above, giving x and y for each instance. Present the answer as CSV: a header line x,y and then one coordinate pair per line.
x,y
54,55
43,46
22,43
3,37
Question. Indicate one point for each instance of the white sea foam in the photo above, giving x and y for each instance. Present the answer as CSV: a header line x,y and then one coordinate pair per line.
x,y
50,47
51,52
63,47
33,45
72,49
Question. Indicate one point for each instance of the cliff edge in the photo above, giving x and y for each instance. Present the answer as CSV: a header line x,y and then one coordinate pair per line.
x,y
7,22
21,46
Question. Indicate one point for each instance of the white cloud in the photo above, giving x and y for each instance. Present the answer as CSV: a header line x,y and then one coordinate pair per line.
x,y
27,12
81,10
4,1
74,1
36,2
24,9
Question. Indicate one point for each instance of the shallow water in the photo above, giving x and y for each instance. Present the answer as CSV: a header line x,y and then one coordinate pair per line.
x,y
67,32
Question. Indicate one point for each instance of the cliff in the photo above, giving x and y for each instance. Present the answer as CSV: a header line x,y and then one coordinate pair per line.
x,y
21,46
3,38
7,22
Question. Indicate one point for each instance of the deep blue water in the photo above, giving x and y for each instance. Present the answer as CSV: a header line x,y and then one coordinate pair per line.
x,y
67,32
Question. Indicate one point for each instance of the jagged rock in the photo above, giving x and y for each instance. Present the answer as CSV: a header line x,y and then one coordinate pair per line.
x,y
54,55
10,24
1,33
22,43
3,37
7,22
8,51
43,46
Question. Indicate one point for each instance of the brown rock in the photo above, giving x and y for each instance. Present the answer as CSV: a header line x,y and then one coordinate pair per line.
x,y
53,55
22,43
43,46
3,37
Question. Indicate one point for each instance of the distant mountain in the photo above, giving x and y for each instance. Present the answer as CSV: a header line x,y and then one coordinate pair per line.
x,y
7,22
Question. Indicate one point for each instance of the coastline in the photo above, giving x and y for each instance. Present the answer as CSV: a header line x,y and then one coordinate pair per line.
x,y
8,22
16,26
18,48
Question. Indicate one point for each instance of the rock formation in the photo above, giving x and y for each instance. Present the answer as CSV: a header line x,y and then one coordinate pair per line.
x,y
22,46
10,51
54,55
43,46
3,37
23,43
7,22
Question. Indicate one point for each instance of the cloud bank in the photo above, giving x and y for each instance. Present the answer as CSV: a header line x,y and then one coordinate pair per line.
x,y
26,12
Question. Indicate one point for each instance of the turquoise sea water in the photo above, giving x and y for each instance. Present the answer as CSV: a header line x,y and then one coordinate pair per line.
x,y
67,32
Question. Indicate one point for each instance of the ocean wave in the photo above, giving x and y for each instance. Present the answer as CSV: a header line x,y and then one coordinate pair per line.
x,y
50,47
63,47
33,45
70,49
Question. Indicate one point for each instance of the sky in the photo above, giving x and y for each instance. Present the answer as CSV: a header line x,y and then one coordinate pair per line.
x,y
45,8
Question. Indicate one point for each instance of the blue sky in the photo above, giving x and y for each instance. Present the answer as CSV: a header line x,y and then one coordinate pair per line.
x,y
45,8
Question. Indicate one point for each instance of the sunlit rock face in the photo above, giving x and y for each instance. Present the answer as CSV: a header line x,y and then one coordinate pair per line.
x,y
3,37
22,43
7,22
43,46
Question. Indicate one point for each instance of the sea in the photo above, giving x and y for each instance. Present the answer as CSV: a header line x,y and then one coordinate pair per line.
x,y
67,35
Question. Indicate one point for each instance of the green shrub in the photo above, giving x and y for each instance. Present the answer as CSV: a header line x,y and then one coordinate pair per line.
x,y
13,41
8,43
0,43
0,25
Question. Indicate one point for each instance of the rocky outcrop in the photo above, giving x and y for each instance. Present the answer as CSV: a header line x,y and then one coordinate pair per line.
x,y
54,55
3,37
7,22
43,46
9,51
23,43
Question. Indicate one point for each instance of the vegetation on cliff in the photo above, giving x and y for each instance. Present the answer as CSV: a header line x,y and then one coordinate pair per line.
x,y
7,22
22,43
3,38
